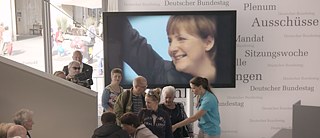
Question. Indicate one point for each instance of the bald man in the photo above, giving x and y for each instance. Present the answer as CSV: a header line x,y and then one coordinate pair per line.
x,y
131,100
17,131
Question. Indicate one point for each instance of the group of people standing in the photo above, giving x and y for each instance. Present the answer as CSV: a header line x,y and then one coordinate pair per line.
x,y
141,114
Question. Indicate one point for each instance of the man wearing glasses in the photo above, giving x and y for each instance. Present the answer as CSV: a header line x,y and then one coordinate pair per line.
x,y
73,70
85,69
131,100
75,76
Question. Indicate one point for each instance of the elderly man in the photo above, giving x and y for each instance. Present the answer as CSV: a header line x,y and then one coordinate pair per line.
x,y
131,100
75,75
24,117
73,70
85,69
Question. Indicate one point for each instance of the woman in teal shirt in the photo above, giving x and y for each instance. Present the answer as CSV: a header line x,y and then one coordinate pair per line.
x,y
208,111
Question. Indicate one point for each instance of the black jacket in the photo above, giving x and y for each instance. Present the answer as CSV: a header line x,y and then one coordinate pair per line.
x,y
161,127
110,131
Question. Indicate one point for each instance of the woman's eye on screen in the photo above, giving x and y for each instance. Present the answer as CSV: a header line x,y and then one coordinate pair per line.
x,y
181,39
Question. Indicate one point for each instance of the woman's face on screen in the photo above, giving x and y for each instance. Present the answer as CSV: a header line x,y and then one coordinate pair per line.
x,y
188,51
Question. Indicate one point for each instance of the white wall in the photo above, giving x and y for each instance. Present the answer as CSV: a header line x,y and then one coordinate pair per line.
x,y
61,109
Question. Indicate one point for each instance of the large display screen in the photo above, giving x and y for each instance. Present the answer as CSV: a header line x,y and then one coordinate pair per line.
x,y
169,48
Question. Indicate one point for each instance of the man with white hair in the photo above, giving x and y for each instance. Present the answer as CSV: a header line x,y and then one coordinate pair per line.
x,y
73,69
24,117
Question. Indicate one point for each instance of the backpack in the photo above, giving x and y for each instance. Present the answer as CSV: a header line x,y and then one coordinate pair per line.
x,y
126,100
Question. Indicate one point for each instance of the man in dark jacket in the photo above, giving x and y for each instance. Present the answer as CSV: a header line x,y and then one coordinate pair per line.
x,y
109,128
85,69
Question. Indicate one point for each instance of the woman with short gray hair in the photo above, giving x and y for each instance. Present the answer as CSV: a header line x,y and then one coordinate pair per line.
x,y
176,112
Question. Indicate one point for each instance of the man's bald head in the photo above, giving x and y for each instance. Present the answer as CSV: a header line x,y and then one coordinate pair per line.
x,y
17,130
139,80
140,84
77,56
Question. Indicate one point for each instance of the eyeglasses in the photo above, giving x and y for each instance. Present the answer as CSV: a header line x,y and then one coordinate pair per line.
x,y
76,68
144,87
